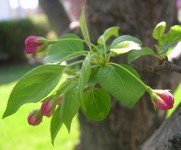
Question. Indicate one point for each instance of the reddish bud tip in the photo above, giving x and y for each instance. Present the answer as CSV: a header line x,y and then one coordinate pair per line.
x,y
34,118
59,101
32,44
165,101
47,107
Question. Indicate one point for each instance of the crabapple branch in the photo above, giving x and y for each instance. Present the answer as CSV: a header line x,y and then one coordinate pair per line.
x,y
165,66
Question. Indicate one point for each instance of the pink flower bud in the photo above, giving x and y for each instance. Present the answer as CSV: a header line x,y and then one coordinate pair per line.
x,y
32,44
34,118
48,107
165,99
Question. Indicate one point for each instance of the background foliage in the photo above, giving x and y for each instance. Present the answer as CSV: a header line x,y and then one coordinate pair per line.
x,y
12,35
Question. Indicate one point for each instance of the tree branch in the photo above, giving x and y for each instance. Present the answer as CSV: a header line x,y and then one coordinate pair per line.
x,y
165,66
168,136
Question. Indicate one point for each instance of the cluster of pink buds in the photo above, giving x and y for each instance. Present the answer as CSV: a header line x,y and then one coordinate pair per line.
x,y
47,109
162,99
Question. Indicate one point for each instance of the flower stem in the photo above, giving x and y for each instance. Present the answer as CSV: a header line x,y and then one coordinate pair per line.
x,y
75,63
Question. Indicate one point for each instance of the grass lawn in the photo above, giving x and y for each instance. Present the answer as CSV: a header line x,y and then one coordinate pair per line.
x,y
15,132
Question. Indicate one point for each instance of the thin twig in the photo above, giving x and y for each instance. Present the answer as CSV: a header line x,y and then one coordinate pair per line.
x,y
165,66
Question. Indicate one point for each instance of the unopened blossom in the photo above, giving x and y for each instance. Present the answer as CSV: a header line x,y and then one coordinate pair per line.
x,y
33,44
34,118
48,107
164,100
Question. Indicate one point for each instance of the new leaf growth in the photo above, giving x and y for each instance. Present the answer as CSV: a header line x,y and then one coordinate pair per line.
x,y
89,82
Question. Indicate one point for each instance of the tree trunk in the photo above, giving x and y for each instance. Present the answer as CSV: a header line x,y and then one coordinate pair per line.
x,y
58,18
126,129
168,136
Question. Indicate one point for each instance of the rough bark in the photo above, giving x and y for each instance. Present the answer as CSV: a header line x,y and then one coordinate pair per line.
x,y
168,136
125,129
135,17
58,18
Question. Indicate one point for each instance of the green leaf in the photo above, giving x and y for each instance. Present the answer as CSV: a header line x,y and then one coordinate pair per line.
x,y
70,105
159,30
33,87
97,103
83,27
69,47
93,76
66,83
85,73
174,34
164,48
125,38
56,123
137,54
125,47
113,31
120,82
131,70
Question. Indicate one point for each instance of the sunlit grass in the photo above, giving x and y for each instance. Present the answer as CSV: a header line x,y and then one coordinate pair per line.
x,y
15,132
